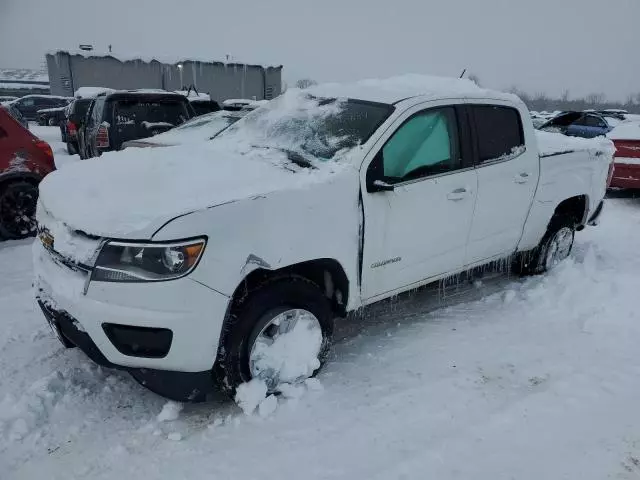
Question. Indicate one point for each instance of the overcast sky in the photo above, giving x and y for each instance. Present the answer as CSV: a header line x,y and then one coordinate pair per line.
x,y
584,46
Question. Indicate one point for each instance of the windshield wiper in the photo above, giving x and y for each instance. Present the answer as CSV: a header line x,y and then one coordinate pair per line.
x,y
292,156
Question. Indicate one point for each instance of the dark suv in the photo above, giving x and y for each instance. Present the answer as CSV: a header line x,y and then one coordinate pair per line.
x,y
29,105
117,117
76,114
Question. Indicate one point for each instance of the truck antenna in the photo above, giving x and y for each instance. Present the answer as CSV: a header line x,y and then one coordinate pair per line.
x,y
463,72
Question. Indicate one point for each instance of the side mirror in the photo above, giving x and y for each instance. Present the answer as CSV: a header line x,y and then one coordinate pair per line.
x,y
380,186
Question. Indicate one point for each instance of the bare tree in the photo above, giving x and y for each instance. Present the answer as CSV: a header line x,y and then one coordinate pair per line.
x,y
305,83
595,98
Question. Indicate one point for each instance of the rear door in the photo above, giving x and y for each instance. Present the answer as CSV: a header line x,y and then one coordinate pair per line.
x,y
507,179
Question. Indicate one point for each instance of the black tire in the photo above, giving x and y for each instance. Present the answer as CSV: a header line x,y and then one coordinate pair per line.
x,y
255,310
18,202
72,149
534,262
52,122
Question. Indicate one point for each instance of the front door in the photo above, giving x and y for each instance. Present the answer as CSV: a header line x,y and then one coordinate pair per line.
x,y
418,202
507,180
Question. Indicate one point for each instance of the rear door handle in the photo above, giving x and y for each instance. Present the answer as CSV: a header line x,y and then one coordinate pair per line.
x,y
457,194
521,178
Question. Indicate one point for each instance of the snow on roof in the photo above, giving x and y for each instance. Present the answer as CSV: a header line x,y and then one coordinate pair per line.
x,y
551,143
156,58
394,89
238,101
38,95
193,95
23,75
23,86
90,92
626,131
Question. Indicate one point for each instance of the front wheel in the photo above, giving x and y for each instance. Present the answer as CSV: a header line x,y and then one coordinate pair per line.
x,y
280,333
52,122
18,202
555,246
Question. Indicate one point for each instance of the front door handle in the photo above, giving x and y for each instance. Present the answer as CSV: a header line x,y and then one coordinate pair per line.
x,y
457,194
521,178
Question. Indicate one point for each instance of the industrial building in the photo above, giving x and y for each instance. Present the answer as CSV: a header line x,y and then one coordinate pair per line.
x,y
70,71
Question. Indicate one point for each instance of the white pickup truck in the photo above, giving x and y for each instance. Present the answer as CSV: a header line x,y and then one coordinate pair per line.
x,y
228,261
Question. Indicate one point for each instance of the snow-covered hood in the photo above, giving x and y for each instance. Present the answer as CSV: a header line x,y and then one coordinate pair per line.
x,y
132,193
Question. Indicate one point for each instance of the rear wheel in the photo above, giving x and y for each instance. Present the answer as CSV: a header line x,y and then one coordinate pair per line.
x,y
52,122
280,333
18,202
555,247
72,148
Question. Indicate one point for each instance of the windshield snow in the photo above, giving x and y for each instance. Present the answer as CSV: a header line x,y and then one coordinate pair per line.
x,y
310,126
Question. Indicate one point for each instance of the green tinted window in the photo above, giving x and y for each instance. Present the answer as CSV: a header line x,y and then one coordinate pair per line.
x,y
427,144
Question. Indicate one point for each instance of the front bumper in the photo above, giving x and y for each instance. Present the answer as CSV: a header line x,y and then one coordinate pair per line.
x,y
192,312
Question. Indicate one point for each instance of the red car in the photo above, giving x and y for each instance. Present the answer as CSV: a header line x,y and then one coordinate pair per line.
x,y
626,173
24,161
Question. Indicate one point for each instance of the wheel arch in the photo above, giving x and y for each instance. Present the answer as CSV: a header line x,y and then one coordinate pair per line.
x,y
327,273
576,208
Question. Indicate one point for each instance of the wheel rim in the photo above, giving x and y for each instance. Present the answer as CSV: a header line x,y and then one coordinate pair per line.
x,y
52,122
559,247
286,348
18,211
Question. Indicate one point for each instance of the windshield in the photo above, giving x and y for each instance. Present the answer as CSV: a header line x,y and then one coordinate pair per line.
x,y
307,125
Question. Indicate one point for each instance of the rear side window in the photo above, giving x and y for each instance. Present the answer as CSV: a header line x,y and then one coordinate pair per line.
x,y
499,132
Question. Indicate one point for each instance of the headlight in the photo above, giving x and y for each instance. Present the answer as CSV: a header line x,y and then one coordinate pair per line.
x,y
147,262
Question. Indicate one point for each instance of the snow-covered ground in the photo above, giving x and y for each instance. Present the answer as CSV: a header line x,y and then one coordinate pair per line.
x,y
51,135
513,379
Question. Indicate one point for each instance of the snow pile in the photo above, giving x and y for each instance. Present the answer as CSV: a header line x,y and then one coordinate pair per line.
x,y
626,131
21,416
291,355
280,364
550,143
91,92
170,412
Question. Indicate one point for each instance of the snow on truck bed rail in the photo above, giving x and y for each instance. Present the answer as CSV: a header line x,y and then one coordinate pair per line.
x,y
550,143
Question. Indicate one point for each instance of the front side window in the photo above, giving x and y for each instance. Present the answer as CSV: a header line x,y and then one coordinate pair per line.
x,y
426,144
26,102
499,132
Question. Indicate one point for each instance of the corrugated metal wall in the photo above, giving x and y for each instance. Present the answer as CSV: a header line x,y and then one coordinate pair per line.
x,y
68,72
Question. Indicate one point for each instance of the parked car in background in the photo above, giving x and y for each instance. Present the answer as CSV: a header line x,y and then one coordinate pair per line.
x,y
578,124
75,114
626,172
202,106
51,117
201,102
15,113
228,261
117,117
24,161
30,104
7,98
198,129
235,104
